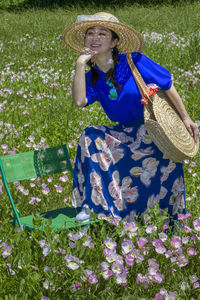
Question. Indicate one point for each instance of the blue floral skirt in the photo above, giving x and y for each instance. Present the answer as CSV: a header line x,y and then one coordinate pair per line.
x,y
120,172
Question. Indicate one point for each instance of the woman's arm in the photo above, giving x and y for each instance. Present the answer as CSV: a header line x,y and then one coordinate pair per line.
x,y
79,85
176,100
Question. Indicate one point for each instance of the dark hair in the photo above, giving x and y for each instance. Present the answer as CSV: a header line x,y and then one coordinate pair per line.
x,y
110,75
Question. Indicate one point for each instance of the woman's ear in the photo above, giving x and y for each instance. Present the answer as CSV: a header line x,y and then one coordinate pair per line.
x,y
114,43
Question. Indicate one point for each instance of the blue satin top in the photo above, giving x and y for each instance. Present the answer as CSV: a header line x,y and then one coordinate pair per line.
x,y
127,107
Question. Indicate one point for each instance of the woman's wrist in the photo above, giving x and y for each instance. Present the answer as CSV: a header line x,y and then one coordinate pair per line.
x,y
185,116
80,64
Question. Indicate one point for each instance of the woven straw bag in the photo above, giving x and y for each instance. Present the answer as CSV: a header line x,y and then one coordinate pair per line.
x,y
164,124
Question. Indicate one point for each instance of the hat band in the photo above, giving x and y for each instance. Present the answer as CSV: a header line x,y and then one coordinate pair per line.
x,y
84,18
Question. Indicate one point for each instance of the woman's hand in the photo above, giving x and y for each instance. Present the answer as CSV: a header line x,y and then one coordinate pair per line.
x,y
192,128
79,85
189,124
86,55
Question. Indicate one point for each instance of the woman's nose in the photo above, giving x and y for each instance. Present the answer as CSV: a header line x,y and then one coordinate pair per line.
x,y
96,36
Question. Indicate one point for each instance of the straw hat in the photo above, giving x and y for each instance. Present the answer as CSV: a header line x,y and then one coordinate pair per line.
x,y
129,39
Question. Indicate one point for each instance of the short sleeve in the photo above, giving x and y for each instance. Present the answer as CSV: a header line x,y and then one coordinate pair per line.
x,y
91,94
152,72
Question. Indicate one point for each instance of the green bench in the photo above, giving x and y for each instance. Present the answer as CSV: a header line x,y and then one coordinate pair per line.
x,y
34,164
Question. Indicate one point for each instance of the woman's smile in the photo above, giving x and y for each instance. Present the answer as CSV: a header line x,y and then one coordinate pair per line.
x,y
94,46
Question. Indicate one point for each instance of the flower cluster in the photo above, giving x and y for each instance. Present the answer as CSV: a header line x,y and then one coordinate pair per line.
x,y
149,96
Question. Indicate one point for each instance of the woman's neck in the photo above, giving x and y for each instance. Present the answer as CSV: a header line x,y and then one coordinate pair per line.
x,y
102,62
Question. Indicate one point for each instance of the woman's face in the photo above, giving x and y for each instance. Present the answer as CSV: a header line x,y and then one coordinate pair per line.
x,y
99,39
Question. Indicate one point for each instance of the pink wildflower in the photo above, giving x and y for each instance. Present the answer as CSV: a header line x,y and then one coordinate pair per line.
x,y
188,215
196,285
7,251
127,246
196,224
141,242
194,278
92,278
157,277
187,229
192,251
117,268
104,266
159,247
158,297
129,259
72,265
46,284
110,244
153,264
182,261
106,274
45,191
150,229
185,239
172,295
165,226
163,236
143,280
176,242
59,189
112,257
107,252
181,217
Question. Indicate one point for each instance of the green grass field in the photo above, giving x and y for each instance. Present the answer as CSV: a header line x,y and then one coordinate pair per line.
x,y
36,110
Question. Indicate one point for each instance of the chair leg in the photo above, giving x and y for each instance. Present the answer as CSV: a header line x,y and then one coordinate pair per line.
x,y
14,220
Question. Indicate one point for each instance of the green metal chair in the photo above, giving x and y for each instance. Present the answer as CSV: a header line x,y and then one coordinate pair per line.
x,y
35,164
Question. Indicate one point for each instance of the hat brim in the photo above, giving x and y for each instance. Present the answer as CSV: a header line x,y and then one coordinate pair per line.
x,y
129,39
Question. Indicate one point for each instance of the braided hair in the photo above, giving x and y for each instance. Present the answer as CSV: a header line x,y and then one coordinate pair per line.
x,y
110,75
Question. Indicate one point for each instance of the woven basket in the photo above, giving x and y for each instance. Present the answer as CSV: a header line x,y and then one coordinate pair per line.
x,y
164,124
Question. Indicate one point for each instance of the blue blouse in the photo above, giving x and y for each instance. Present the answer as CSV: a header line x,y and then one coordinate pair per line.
x,y
127,107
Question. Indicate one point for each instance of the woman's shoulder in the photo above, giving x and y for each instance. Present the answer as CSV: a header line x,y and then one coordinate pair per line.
x,y
123,63
135,55
123,71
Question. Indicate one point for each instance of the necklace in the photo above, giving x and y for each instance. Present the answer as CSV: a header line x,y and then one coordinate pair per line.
x,y
113,92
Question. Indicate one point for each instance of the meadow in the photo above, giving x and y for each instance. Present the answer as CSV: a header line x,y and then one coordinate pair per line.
x,y
110,260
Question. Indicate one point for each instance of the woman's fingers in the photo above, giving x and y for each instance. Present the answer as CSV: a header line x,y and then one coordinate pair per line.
x,y
88,51
192,128
87,54
195,133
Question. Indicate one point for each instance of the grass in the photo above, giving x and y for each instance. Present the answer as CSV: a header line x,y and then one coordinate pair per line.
x,y
36,109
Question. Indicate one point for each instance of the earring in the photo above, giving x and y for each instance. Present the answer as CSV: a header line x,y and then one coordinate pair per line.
x,y
110,61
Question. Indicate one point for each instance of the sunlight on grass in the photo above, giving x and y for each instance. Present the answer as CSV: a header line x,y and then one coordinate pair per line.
x,y
127,261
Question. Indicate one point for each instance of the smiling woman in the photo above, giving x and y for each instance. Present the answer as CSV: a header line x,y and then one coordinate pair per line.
x,y
119,172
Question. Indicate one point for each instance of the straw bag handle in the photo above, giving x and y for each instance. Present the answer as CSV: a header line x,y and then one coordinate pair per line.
x,y
138,78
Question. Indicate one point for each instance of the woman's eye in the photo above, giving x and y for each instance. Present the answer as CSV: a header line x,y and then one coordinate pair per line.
x,y
90,32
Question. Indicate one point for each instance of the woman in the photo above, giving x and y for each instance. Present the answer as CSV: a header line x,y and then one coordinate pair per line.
x,y
119,172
